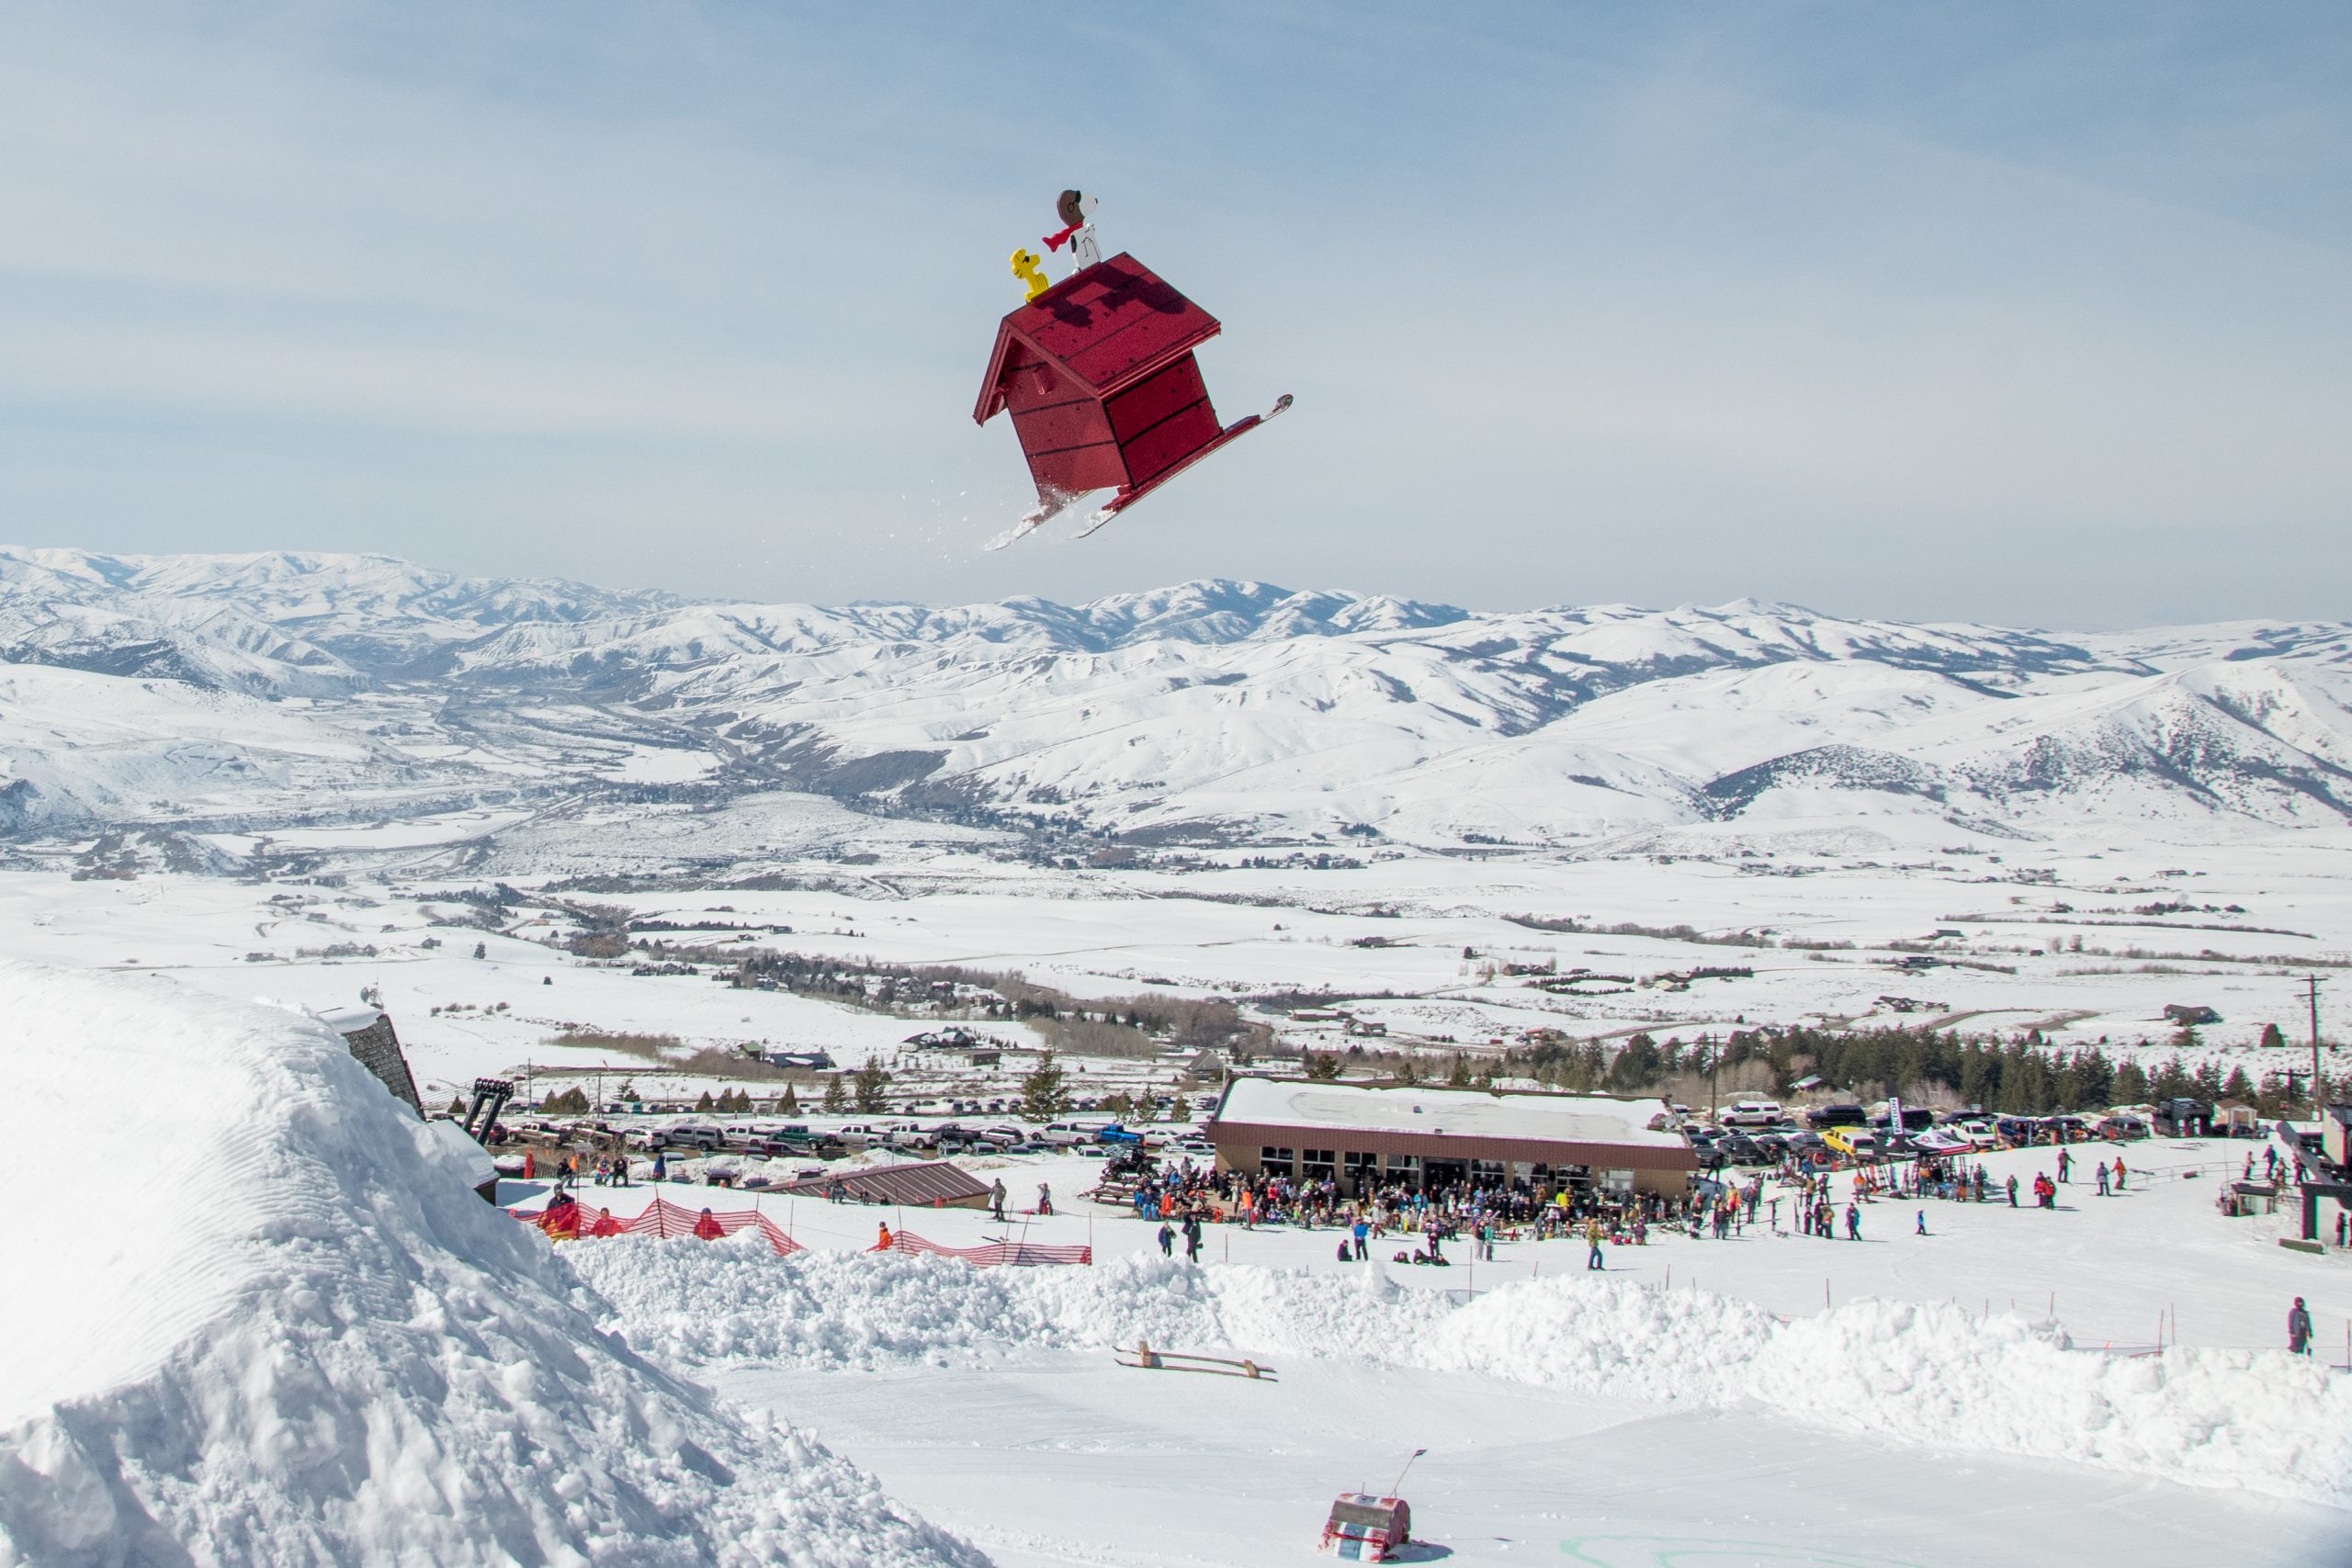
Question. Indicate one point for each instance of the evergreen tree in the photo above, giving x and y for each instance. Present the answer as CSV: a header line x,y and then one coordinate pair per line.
x,y
2130,1084
1043,1097
871,1083
705,1104
2271,1039
1322,1067
1460,1077
836,1097
1182,1111
788,1103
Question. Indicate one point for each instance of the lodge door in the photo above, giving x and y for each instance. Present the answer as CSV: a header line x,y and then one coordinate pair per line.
x,y
1437,1173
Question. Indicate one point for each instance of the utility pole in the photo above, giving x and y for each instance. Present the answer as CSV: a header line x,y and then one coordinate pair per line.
x,y
2311,988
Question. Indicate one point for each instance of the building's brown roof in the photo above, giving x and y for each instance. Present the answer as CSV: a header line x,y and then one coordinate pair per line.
x,y
913,1185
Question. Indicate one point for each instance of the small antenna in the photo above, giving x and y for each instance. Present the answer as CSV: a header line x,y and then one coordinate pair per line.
x,y
1400,1474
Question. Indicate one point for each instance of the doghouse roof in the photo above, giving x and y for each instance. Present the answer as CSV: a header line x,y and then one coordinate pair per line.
x,y
1106,327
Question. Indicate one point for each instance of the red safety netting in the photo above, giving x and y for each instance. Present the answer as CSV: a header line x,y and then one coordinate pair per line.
x,y
1020,1254
570,1222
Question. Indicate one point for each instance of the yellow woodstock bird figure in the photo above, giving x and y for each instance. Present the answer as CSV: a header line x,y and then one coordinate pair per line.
x,y
1025,267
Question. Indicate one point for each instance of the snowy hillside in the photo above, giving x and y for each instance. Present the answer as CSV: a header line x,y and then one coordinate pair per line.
x,y
1211,711
324,1347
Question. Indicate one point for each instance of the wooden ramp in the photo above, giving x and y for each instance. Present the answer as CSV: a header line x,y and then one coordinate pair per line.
x,y
1144,1357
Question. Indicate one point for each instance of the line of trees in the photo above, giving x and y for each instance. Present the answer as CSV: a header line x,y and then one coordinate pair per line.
x,y
2023,1075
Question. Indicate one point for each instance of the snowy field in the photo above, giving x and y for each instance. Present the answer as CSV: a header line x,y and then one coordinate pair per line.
x,y
1988,1393
1985,1393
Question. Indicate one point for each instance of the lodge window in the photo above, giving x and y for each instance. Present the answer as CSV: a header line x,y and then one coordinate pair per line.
x,y
1617,1182
1361,1166
1486,1171
1273,1161
1318,1164
1402,1165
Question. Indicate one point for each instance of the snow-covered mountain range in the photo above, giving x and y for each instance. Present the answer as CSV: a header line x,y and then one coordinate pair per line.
x,y
249,693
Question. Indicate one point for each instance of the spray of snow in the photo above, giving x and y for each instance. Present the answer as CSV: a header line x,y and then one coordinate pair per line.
x,y
1932,1375
325,1347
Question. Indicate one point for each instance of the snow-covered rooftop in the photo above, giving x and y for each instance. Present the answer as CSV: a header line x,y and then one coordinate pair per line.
x,y
1462,1113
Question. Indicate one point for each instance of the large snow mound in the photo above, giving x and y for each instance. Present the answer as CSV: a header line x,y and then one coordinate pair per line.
x,y
323,1348
1923,1374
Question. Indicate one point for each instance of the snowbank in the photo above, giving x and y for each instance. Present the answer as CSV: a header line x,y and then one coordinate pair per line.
x,y
1932,1375
326,1348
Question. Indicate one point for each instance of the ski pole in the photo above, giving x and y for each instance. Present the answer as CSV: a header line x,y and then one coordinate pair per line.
x,y
1400,1474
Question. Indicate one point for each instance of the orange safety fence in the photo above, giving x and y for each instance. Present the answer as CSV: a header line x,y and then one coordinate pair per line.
x,y
573,1222
1020,1254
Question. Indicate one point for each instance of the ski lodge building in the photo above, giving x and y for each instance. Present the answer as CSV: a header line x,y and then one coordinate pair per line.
x,y
1433,1137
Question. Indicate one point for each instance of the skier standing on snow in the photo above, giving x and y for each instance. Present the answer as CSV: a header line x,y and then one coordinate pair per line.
x,y
2102,1179
996,1199
2013,1190
2299,1329
1853,1222
2065,1164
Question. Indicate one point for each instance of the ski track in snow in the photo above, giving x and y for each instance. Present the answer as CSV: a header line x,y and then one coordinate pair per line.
x,y
1929,1374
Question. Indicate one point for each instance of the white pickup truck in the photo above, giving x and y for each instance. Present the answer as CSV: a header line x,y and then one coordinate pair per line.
x,y
1752,1113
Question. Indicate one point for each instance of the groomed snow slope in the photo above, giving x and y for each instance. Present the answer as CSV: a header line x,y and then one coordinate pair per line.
x,y
324,1347
1934,1375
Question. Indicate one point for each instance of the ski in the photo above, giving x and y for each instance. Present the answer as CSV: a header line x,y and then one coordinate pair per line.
x,y
1128,498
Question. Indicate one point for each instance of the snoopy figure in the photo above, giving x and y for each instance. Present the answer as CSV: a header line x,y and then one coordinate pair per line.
x,y
1077,211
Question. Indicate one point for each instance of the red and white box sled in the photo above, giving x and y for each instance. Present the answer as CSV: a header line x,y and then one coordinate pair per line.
x,y
1367,1529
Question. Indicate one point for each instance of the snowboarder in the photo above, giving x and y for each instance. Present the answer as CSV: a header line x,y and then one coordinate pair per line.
x,y
2299,1329
995,1202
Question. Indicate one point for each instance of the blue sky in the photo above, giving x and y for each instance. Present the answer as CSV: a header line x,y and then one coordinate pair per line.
x,y
2008,312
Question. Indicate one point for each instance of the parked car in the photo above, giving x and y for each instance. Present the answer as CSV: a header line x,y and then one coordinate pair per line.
x,y
1826,1116
1752,1113
698,1137
2122,1127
